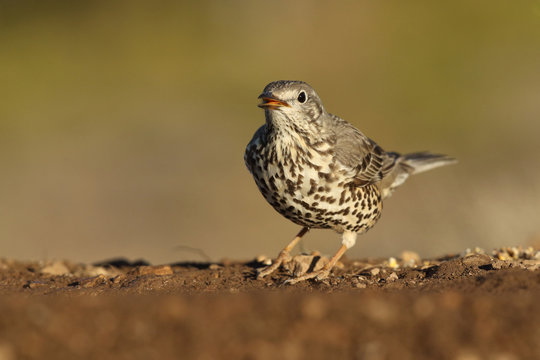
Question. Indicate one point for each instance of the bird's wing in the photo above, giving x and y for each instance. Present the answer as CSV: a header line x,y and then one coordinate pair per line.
x,y
368,162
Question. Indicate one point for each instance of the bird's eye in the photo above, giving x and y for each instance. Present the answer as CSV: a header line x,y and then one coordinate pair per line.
x,y
302,97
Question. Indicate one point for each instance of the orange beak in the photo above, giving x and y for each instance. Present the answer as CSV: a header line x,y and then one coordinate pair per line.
x,y
271,103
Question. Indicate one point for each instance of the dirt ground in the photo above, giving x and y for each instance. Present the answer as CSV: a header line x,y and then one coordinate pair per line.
x,y
469,306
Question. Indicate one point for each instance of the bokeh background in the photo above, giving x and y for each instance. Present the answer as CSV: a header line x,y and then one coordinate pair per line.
x,y
123,124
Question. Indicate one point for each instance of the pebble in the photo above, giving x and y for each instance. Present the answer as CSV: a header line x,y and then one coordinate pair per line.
x,y
152,270
392,263
392,277
531,265
263,259
375,271
93,281
476,260
500,264
410,258
55,269
469,251
90,271
516,252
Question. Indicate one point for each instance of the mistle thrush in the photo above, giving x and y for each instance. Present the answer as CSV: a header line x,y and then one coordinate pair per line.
x,y
321,172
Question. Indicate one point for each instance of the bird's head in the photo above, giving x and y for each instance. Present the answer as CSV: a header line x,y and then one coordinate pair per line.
x,y
291,103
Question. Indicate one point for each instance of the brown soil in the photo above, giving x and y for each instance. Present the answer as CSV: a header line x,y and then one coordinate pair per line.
x,y
474,307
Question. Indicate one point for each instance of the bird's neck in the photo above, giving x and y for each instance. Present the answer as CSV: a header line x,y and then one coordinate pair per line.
x,y
288,132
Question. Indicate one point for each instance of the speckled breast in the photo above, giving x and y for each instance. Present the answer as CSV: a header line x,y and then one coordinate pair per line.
x,y
311,190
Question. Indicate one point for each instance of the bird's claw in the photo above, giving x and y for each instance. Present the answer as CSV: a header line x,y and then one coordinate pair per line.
x,y
261,273
265,271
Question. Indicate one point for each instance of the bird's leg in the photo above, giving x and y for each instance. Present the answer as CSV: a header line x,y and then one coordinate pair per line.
x,y
349,239
283,255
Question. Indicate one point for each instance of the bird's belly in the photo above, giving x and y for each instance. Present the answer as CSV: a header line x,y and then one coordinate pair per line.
x,y
311,197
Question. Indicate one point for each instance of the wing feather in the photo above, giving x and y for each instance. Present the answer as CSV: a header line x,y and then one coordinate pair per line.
x,y
352,149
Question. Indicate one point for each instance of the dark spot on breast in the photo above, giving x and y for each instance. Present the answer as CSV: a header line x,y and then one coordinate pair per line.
x,y
342,197
313,187
272,183
291,187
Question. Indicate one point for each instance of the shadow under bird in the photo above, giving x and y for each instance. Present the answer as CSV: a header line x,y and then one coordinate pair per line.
x,y
321,172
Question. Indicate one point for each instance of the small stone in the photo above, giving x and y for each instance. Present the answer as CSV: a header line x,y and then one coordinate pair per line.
x,y
476,260
410,258
392,263
392,277
91,271
531,265
93,281
374,271
360,285
55,269
500,264
263,259
215,267
476,250
152,270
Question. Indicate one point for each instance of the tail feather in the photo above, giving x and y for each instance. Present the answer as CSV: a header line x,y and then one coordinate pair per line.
x,y
401,166
424,161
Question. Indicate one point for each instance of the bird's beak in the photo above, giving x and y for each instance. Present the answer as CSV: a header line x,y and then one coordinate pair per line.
x,y
271,103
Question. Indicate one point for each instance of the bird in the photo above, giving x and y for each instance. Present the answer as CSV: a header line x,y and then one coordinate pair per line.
x,y
321,172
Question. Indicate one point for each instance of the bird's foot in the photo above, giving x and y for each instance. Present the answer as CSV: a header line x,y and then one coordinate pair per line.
x,y
282,257
317,275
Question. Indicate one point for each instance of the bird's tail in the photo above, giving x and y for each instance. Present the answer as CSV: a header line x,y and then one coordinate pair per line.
x,y
423,161
410,164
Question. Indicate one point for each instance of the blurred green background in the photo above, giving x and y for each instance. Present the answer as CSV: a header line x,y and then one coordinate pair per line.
x,y
123,124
